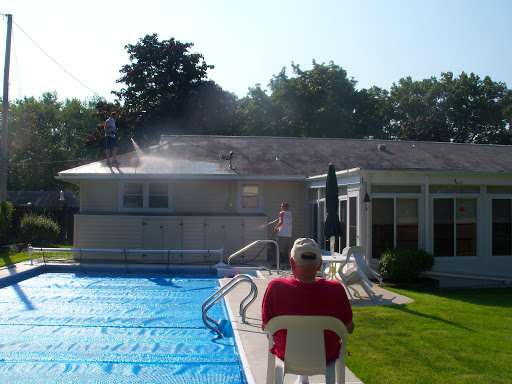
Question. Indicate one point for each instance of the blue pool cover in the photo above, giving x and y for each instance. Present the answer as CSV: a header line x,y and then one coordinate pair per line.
x,y
68,328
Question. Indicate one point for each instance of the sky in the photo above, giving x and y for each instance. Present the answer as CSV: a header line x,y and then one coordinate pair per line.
x,y
377,42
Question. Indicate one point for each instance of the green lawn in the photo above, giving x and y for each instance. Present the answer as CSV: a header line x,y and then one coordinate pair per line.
x,y
462,336
13,258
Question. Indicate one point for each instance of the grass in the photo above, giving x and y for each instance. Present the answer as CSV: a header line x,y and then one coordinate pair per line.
x,y
7,258
451,337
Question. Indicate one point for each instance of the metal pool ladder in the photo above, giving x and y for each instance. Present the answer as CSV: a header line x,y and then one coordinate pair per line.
x,y
223,291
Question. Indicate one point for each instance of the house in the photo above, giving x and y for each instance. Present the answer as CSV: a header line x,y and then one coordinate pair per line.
x,y
210,192
43,198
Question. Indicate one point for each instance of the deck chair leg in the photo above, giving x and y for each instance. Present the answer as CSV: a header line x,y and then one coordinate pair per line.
x,y
271,367
368,290
348,291
340,372
279,372
330,373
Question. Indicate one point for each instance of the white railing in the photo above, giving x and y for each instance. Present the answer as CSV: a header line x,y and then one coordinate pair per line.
x,y
223,291
252,245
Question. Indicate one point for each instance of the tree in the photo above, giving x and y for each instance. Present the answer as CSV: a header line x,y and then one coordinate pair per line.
x,y
167,92
33,153
466,109
255,115
425,128
320,102
374,115
45,137
475,109
78,119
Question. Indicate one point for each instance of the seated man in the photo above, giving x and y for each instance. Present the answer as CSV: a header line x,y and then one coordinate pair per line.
x,y
305,295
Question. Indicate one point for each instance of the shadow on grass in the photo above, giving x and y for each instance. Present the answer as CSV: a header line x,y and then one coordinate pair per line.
x,y
490,297
16,287
403,308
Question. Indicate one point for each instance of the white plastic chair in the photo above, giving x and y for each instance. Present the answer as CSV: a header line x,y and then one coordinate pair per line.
x,y
305,348
354,272
358,255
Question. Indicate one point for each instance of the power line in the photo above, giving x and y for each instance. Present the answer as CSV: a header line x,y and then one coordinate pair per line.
x,y
60,66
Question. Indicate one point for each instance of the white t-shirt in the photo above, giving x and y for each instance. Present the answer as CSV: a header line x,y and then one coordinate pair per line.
x,y
285,230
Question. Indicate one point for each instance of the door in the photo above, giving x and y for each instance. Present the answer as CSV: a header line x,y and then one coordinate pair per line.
x,y
224,233
162,234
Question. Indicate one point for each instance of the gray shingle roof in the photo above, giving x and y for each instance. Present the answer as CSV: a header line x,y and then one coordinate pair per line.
x,y
256,156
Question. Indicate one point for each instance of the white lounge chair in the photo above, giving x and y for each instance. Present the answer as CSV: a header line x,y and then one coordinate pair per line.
x,y
358,255
305,348
355,272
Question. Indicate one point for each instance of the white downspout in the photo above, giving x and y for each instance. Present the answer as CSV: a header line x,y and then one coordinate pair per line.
x,y
368,224
428,242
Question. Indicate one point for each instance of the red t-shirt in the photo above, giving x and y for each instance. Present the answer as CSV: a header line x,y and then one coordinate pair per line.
x,y
292,297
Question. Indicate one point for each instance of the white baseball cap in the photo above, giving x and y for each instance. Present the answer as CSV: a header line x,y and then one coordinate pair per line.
x,y
304,245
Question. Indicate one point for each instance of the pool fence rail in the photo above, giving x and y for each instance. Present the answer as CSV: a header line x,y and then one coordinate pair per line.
x,y
125,253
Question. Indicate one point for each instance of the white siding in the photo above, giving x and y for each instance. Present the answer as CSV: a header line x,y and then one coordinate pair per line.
x,y
107,231
99,196
202,196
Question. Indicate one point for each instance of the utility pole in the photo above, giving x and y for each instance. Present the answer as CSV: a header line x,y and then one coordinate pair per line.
x,y
5,112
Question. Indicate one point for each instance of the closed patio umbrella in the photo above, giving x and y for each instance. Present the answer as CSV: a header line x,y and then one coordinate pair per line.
x,y
332,226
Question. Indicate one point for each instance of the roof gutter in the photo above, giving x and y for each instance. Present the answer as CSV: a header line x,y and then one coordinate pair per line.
x,y
78,177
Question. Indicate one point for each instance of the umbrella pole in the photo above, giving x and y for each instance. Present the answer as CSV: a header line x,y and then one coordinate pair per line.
x,y
332,266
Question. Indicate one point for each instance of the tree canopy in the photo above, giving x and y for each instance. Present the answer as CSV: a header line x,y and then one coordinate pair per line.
x,y
166,90
45,137
464,109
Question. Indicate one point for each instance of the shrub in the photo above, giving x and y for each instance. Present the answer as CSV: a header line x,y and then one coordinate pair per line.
x,y
38,230
6,209
404,265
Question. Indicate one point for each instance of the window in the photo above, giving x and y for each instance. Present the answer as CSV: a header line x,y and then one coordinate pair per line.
x,y
313,221
313,194
146,196
376,188
343,222
352,223
407,223
501,227
347,212
323,243
382,225
499,189
158,196
394,224
454,227
133,196
250,196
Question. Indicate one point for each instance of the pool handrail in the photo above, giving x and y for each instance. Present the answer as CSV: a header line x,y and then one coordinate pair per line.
x,y
250,246
223,291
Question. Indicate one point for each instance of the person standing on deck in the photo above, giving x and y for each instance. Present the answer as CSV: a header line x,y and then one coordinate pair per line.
x,y
284,233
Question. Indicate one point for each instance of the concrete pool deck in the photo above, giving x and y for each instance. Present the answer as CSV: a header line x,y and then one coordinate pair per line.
x,y
251,337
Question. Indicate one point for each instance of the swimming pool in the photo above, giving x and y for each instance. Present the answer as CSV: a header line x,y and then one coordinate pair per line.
x,y
72,328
